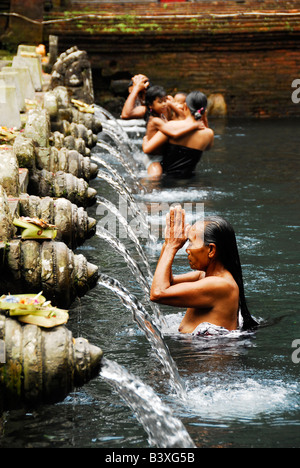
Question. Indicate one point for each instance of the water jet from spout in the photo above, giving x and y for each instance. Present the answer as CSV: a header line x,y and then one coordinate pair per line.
x,y
134,267
163,429
114,210
152,333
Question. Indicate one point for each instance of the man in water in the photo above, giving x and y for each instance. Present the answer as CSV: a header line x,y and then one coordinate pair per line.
x,y
134,107
213,293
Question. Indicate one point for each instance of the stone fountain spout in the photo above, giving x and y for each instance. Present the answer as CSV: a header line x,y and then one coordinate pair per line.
x,y
43,366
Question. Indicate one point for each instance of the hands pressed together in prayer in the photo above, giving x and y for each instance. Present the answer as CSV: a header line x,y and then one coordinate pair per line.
x,y
176,231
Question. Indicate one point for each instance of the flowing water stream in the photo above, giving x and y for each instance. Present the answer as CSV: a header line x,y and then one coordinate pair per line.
x,y
158,388
152,332
156,418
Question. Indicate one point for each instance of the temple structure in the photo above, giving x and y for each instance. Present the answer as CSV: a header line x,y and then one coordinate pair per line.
x,y
247,50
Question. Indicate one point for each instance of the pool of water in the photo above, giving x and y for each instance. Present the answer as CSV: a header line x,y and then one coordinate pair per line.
x,y
242,391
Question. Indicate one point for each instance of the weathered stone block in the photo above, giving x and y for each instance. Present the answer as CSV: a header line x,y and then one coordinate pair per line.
x,y
38,126
34,66
50,104
26,81
26,48
24,150
9,171
11,78
6,226
9,109
216,105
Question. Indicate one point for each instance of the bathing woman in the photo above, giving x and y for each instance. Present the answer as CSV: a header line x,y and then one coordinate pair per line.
x,y
187,138
213,292
160,127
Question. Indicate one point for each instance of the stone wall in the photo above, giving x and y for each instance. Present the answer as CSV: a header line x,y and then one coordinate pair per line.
x,y
254,81
20,31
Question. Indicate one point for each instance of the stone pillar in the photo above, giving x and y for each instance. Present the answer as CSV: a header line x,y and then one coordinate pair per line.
x,y
9,108
23,31
53,50
9,171
7,229
11,78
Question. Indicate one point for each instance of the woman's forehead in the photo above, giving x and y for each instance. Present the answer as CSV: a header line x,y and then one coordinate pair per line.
x,y
197,230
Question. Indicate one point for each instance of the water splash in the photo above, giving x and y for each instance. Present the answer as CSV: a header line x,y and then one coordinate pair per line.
x,y
163,429
241,399
114,172
136,211
152,333
107,118
114,242
116,154
114,210
122,142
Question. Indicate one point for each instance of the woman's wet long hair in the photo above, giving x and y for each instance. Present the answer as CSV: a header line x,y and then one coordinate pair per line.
x,y
218,231
197,103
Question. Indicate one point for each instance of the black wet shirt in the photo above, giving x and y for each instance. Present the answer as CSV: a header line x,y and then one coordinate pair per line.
x,y
180,161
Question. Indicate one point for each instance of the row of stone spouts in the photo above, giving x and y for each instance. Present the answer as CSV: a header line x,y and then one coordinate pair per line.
x,y
45,174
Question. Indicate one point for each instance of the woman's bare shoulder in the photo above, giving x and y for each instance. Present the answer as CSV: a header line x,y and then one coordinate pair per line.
x,y
207,131
223,284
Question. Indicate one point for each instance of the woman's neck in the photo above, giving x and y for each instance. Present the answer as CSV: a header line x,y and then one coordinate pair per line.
x,y
215,268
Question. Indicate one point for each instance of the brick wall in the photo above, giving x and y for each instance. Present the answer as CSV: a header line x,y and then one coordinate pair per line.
x,y
248,51
253,82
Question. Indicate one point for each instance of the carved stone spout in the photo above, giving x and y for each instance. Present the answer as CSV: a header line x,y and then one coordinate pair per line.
x,y
73,224
50,266
66,160
43,365
53,159
61,184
